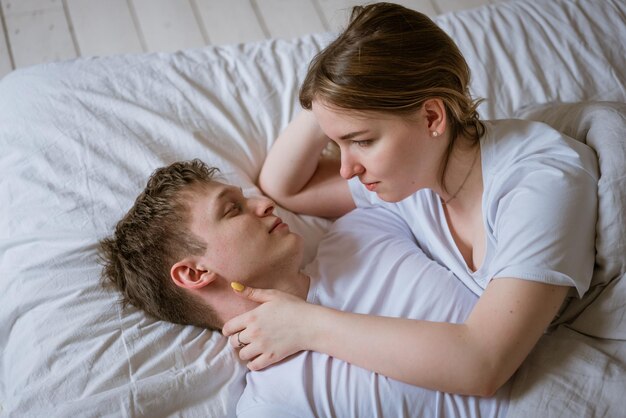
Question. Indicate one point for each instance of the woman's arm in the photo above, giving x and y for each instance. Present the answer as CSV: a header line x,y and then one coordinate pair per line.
x,y
473,358
297,178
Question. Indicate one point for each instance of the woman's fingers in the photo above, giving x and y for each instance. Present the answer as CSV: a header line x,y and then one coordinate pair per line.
x,y
252,353
261,296
262,361
235,325
254,294
265,334
237,340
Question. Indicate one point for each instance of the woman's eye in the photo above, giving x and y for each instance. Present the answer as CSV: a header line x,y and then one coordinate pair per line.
x,y
364,143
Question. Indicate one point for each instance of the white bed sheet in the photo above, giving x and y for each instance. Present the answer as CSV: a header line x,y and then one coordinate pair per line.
x,y
79,139
579,369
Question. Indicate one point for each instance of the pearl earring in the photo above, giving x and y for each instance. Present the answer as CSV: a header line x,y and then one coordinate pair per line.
x,y
435,134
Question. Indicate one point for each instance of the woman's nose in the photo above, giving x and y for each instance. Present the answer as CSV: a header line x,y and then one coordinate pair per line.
x,y
349,167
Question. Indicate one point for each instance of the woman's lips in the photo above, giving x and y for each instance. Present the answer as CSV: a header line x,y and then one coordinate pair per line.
x,y
371,186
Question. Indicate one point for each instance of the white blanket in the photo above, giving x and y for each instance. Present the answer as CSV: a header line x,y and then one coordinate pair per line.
x,y
78,140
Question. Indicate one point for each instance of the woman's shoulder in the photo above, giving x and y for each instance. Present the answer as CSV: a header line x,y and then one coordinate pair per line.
x,y
519,130
516,151
509,141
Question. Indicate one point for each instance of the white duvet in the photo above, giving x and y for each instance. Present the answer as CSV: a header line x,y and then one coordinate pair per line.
x,y
78,140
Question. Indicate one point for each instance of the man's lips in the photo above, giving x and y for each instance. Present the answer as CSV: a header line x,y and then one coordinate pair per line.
x,y
278,222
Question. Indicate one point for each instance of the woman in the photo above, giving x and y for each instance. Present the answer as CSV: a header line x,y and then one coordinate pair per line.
x,y
497,202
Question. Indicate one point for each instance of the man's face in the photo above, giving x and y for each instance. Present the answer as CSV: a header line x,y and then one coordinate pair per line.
x,y
245,241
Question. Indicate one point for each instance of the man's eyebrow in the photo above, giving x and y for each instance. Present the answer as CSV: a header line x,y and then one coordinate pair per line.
x,y
222,193
352,135
219,199
228,190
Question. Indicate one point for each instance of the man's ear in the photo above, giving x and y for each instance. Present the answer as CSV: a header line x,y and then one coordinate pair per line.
x,y
435,111
190,275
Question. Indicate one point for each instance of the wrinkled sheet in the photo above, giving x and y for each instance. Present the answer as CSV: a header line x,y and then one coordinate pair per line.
x,y
579,369
78,140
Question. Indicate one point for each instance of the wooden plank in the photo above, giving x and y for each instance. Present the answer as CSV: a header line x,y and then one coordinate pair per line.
x,y
103,27
290,18
446,6
6,66
423,6
230,22
337,12
168,25
39,36
10,7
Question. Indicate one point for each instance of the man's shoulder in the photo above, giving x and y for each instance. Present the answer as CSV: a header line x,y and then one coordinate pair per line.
x,y
278,391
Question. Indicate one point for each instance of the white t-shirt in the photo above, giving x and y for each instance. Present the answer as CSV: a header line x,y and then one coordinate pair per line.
x,y
539,209
368,263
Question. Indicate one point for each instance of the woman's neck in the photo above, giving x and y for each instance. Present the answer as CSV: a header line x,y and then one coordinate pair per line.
x,y
463,173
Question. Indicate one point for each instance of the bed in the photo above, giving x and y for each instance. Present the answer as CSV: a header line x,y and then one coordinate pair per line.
x,y
78,140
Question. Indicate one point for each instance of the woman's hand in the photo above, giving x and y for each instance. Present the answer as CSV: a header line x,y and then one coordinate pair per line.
x,y
270,332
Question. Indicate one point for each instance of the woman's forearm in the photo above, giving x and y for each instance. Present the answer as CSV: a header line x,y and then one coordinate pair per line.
x,y
433,355
296,177
294,157
473,358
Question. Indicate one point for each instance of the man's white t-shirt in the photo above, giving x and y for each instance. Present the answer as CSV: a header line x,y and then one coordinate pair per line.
x,y
539,209
368,263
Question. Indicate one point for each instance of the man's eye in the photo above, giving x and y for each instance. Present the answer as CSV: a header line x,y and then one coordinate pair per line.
x,y
234,209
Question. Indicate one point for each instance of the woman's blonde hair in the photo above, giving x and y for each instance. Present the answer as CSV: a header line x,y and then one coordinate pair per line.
x,y
391,59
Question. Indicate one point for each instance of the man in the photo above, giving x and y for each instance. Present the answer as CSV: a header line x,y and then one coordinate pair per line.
x,y
187,237
208,234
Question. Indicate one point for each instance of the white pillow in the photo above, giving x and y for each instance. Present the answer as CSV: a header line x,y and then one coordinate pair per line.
x,y
79,140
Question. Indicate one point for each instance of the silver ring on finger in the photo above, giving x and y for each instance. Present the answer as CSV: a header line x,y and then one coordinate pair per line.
x,y
241,344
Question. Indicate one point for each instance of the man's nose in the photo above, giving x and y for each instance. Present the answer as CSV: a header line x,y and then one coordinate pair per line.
x,y
263,206
349,166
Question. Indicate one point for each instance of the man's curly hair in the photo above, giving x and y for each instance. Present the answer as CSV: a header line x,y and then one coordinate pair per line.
x,y
151,238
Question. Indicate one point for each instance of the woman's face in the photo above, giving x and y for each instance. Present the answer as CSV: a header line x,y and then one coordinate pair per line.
x,y
393,156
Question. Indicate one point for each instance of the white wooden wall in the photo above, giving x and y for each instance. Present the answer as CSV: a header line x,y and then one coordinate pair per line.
x,y
38,31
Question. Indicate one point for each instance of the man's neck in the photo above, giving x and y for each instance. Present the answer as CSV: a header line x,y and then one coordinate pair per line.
x,y
297,285
230,305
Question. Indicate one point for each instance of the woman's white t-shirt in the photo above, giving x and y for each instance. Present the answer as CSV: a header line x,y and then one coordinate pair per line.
x,y
539,209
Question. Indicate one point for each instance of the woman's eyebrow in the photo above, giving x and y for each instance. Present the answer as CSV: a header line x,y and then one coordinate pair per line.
x,y
352,135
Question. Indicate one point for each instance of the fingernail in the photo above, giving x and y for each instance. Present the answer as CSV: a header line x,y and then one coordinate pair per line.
x,y
238,287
